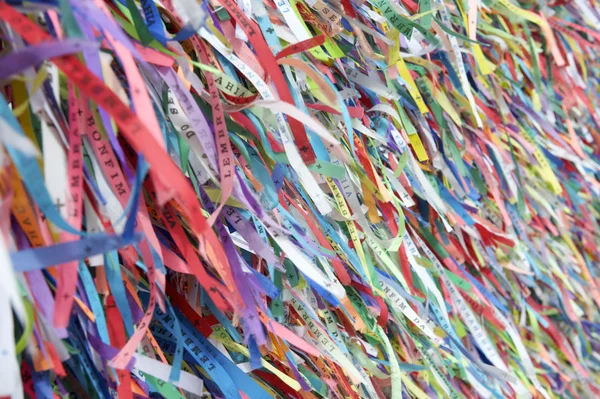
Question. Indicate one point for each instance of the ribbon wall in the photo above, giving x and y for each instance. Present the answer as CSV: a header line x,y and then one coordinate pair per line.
x,y
299,199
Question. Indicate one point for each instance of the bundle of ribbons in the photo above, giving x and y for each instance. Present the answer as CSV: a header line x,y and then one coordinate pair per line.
x,y
299,199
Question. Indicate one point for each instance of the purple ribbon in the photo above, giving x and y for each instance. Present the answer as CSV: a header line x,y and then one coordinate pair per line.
x,y
18,61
